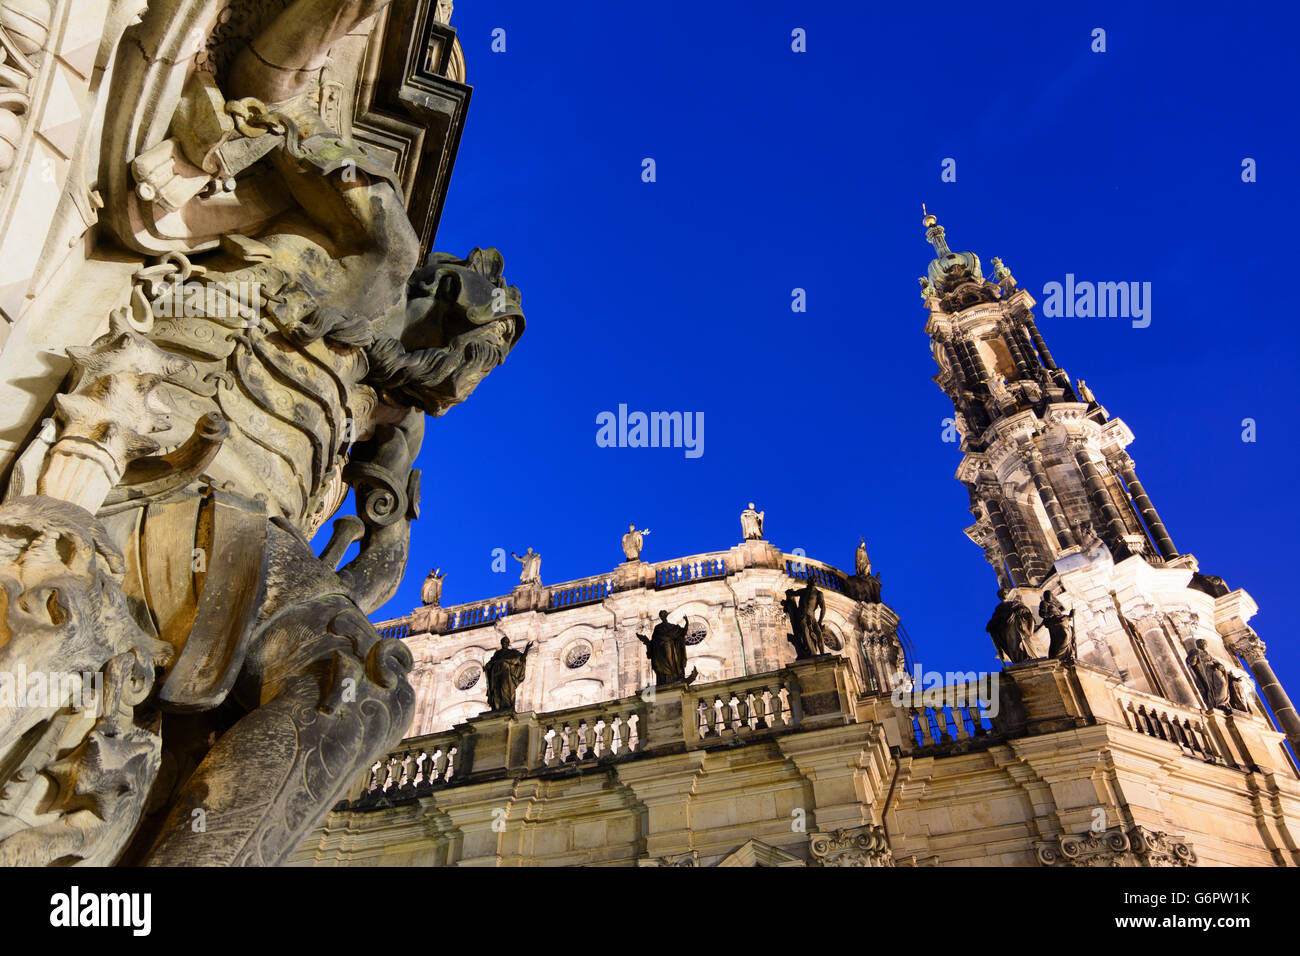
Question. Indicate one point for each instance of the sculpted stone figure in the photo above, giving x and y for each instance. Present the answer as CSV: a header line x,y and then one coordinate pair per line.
x,y
1060,626
867,584
806,608
1211,675
208,444
431,589
505,672
1010,627
666,648
751,523
531,572
633,541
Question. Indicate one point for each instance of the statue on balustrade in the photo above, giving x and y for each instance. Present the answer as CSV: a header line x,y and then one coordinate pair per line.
x,y
531,572
751,523
431,589
866,585
505,672
633,541
1060,627
1010,627
806,608
1211,676
666,648
210,440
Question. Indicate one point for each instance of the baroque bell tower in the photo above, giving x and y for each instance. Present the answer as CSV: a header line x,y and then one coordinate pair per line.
x,y
1059,508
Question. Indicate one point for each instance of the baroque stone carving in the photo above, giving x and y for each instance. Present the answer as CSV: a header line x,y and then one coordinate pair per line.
x,y
1060,626
806,609
505,671
633,541
1136,846
531,572
1212,678
860,846
751,523
1010,627
666,648
284,351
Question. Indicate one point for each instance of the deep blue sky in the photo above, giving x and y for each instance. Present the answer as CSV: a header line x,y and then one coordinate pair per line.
x,y
779,170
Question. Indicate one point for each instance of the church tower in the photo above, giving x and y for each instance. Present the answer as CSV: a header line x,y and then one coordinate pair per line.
x,y
1059,508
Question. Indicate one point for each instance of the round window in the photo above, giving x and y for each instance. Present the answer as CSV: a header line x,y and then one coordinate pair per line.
x,y
467,677
577,655
831,638
697,632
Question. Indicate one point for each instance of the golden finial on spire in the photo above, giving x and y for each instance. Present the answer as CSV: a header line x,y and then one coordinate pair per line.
x,y
928,219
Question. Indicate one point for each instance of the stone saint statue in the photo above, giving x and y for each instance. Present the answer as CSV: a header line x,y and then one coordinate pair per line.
x,y
531,572
751,523
1240,692
505,672
633,541
666,648
1211,675
861,562
1060,626
868,584
806,609
431,589
1010,627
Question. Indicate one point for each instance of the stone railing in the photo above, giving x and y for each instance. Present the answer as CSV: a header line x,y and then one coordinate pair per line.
x,y
737,708
575,593
801,569
695,568
420,765
947,724
397,628
807,695
476,615
603,731
1161,719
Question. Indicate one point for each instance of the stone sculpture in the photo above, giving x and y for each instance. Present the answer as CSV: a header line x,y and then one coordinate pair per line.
x,y
633,541
505,672
806,609
866,586
861,562
531,572
1211,676
666,648
1060,626
751,523
431,589
209,443
1010,627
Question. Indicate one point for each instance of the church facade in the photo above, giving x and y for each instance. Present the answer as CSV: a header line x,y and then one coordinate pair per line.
x,y
1126,727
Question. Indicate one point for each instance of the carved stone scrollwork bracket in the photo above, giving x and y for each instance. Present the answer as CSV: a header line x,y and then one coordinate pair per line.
x,y
1137,846
860,846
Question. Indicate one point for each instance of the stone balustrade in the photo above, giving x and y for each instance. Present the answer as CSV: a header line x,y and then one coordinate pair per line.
x,y
418,766
807,695
599,732
948,723
670,573
1158,718
475,615
576,593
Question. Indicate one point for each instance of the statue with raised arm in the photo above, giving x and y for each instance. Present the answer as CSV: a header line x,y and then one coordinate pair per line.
x,y
209,442
751,523
666,649
1011,626
633,541
806,608
431,589
531,572
505,672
